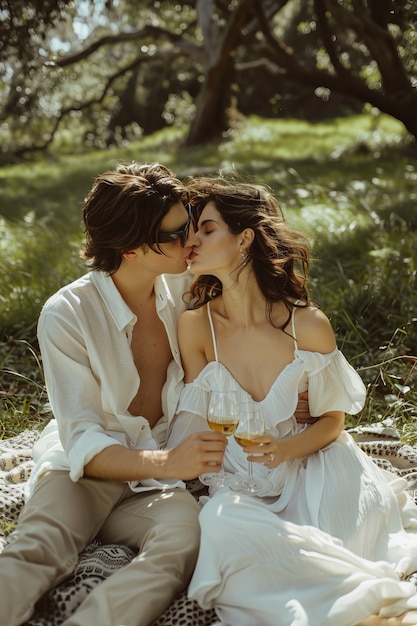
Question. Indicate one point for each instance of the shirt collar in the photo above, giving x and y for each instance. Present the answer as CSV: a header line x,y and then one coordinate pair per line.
x,y
120,312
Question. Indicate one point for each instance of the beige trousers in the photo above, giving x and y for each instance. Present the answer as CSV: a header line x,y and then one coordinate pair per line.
x,y
62,517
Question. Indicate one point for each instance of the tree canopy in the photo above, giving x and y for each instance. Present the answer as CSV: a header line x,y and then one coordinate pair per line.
x,y
105,72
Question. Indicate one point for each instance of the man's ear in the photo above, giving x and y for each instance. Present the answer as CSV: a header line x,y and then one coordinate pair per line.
x,y
131,254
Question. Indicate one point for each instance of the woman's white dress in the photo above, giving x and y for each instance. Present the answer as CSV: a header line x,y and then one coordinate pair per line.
x,y
331,542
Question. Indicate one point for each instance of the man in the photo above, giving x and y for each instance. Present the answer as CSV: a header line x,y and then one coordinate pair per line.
x,y
113,374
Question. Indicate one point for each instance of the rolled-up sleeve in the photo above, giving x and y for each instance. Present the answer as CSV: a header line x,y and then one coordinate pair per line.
x,y
73,390
85,333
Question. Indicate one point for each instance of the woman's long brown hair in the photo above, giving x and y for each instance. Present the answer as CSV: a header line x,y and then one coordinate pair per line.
x,y
278,255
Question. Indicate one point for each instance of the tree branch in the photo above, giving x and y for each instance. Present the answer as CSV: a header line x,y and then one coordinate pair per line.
x,y
379,42
147,31
377,39
237,20
141,58
327,37
319,78
283,52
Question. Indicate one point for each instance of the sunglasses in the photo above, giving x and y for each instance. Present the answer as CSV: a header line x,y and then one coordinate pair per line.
x,y
182,234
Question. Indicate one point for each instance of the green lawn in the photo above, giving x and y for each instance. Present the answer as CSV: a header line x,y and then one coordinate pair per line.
x,y
350,184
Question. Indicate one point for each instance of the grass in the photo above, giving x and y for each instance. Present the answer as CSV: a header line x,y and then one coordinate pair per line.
x,y
350,184
22,391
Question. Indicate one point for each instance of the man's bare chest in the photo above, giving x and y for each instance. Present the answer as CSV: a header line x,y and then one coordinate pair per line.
x,y
152,355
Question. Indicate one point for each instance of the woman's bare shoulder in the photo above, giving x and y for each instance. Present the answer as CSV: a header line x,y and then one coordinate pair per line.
x,y
194,327
194,341
313,330
194,317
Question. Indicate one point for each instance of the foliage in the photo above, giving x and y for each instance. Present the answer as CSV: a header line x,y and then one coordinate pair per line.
x,y
350,185
24,26
78,75
24,402
42,260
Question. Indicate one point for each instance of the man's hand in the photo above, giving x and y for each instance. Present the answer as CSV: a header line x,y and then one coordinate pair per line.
x,y
198,453
302,410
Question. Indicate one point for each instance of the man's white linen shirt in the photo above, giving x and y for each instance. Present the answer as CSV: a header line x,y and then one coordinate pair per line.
x,y
85,332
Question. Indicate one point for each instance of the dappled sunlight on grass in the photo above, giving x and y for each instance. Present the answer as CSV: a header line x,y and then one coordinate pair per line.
x,y
349,184
322,220
297,140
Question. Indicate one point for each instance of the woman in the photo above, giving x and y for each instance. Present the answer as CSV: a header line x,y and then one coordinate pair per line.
x,y
328,543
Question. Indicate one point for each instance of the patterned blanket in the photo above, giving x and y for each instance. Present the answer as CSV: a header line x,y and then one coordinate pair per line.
x,y
97,561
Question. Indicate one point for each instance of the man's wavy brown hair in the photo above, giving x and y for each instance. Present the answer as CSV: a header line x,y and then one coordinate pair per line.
x,y
124,210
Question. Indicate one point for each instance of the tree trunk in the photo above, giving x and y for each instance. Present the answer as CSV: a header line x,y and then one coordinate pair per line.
x,y
211,118
214,99
403,109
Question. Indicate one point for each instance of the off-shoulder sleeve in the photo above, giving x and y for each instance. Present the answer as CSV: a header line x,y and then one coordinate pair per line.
x,y
191,414
333,384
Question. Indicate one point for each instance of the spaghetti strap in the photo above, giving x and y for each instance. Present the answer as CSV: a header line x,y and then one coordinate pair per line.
x,y
293,325
213,336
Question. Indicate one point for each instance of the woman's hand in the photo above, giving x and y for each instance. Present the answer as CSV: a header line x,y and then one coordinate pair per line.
x,y
268,451
271,451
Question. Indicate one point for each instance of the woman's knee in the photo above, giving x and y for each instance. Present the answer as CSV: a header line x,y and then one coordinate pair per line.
x,y
217,514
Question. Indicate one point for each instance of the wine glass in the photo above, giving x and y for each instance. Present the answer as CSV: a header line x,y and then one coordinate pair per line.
x,y
251,425
223,416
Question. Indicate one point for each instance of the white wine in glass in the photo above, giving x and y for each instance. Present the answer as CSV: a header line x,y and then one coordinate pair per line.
x,y
225,427
223,416
251,425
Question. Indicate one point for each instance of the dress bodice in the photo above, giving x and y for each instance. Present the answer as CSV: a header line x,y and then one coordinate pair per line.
x,y
331,381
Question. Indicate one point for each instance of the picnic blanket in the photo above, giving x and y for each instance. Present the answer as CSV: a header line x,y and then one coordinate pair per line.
x,y
98,561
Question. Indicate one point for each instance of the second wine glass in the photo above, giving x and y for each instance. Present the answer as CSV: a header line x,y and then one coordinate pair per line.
x,y
223,416
251,425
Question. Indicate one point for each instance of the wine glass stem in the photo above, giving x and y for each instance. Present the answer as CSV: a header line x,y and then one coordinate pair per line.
x,y
222,473
250,470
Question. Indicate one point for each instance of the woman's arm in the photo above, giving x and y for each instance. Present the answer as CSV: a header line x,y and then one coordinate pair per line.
x,y
275,451
314,333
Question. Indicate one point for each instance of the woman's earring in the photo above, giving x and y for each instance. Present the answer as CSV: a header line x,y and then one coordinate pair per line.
x,y
245,256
